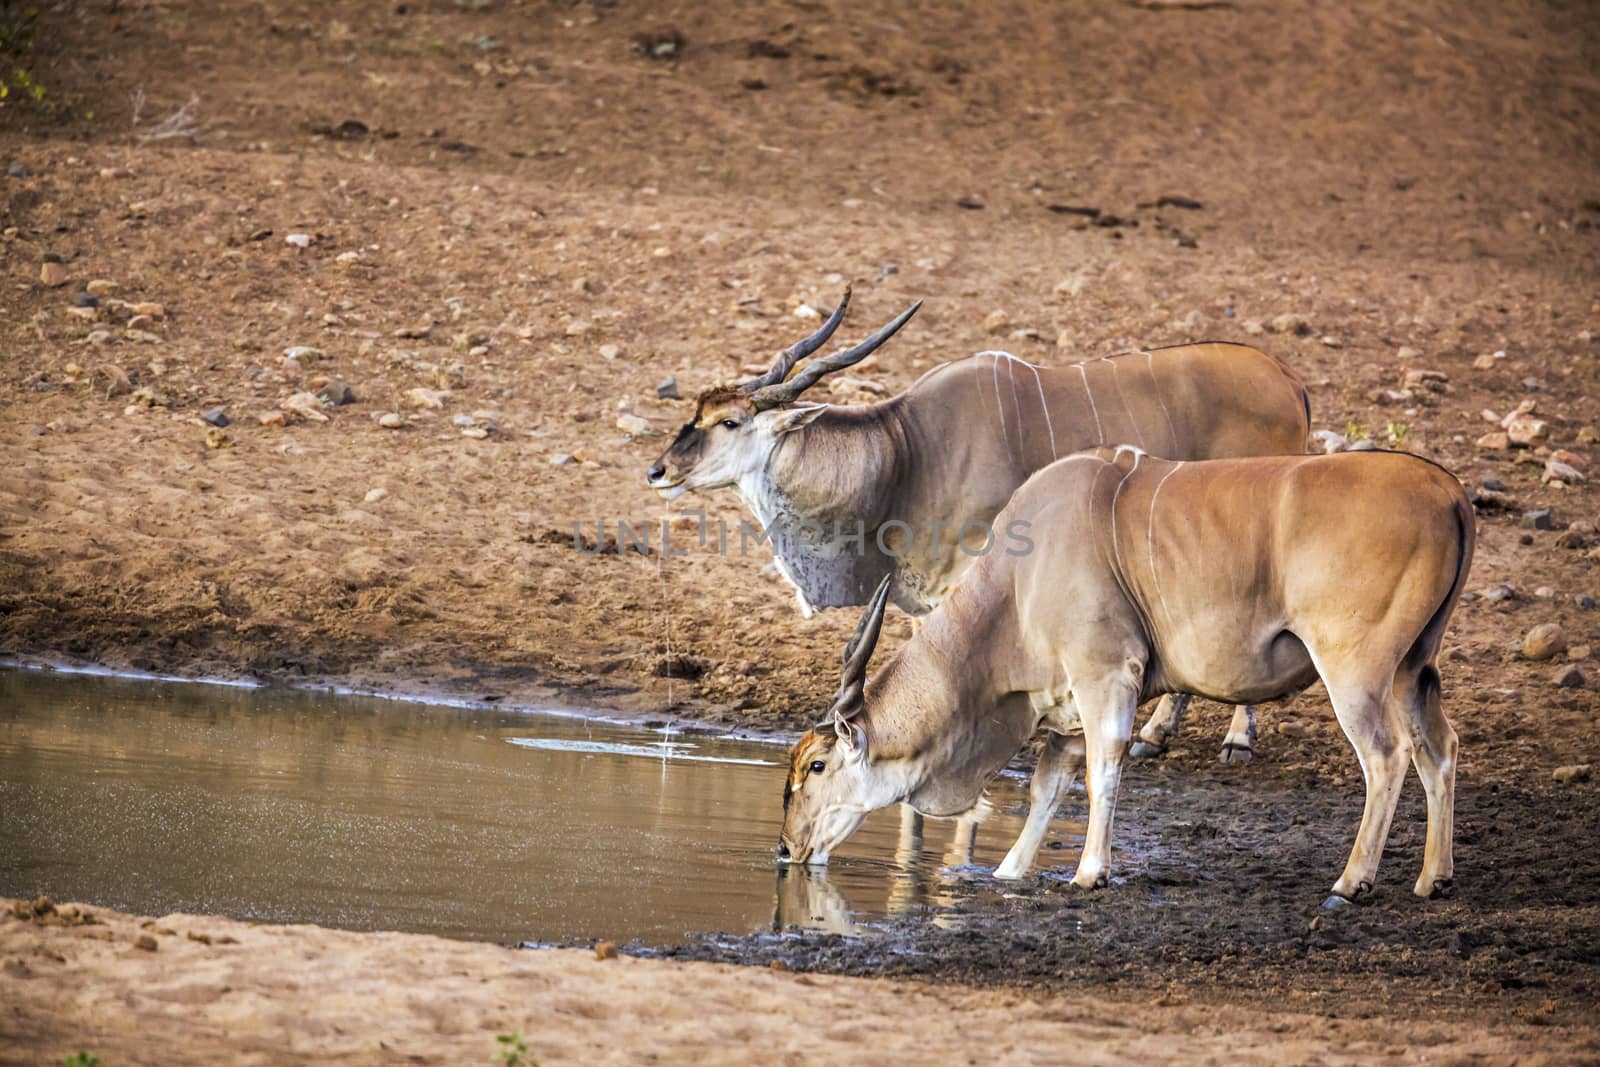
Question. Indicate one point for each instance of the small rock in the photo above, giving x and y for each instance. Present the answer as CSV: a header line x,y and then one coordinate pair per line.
x,y
390,420
216,417
302,353
1526,431
971,202
336,391
19,170
217,438
463,421
1568,677
1579,653
1331,441
101,287
1571,538
605,950
146,943
1493,483
1363,445
84,299
1544,642
1588,435
610,351
1495,594
477,432
1544,592
140,324
306,405
1538,519
375,495
1293,728
1566,473
1585,601
577,328
1498,441
668,389
1290,323
425,398
561,459
996,321
43,906
1407,352
52,273
632,424
154,311
298,240
779,965
1577,772
273,418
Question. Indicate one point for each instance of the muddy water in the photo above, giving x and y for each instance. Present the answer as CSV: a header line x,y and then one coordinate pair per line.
x,y
364,813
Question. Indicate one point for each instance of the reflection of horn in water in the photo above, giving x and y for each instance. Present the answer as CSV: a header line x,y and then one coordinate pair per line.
x,y
805,897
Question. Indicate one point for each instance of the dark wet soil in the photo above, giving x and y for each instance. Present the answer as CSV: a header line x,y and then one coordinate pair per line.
x,y
1237,862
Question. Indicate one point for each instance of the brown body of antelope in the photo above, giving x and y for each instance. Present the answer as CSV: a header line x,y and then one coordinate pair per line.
x,y
1241,580
909,488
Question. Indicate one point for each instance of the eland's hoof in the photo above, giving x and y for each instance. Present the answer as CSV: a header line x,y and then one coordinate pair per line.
x,y
1100,881
1335,902
1442,889
1142,749
1232,753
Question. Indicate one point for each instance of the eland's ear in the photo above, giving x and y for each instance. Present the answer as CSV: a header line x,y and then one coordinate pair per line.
x,y
852,734
795,418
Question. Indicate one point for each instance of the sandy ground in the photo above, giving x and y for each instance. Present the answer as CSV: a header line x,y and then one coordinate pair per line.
x,y
185,989
511,206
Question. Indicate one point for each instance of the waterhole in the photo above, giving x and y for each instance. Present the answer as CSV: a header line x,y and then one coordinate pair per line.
x,y
373,814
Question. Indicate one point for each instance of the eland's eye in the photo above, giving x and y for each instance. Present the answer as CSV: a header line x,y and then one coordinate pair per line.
x,y
730,424
817,766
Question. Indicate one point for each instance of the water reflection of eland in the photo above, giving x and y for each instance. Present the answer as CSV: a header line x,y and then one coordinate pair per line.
x,y
807,896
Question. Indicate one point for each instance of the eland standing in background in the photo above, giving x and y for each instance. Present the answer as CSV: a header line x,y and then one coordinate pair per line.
x,y
1242,580
909,488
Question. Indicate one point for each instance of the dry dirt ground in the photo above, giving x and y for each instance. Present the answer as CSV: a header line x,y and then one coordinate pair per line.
x,y
538,211
185,989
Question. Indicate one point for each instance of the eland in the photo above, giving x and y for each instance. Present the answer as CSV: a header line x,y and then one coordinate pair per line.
x,y
1240,580
909,488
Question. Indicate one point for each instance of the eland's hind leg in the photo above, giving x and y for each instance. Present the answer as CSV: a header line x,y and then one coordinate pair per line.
x,y
1240,744
1434,755
1161,727
1367,712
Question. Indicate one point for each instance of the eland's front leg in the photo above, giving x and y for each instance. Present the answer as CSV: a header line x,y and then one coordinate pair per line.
x,y
1108,712
1052,777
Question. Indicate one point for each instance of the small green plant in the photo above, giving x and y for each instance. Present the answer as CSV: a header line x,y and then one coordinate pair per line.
x,y
81,1059
1398,433
1354,431
514,1053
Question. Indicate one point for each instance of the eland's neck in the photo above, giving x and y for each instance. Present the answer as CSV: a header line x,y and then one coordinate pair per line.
x,y
943,718
843,466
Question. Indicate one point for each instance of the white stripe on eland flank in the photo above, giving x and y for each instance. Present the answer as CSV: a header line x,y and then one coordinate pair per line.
x,y
1098,429
1150,361
1038,383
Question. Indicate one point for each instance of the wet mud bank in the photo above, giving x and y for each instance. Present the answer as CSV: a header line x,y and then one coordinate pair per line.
x,y
1224,895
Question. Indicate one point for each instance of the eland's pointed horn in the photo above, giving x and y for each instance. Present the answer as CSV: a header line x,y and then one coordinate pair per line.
x,y
787,392
859,651
799,350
